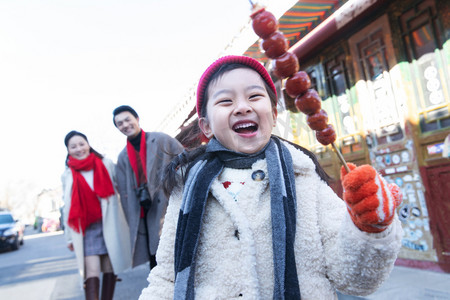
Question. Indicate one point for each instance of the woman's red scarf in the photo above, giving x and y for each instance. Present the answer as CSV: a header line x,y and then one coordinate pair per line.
x,y
85,206
142,155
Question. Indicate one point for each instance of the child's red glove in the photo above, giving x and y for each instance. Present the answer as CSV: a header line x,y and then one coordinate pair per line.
x,y
371,202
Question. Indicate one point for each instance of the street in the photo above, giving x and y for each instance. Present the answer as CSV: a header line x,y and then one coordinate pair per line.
x,y
43,268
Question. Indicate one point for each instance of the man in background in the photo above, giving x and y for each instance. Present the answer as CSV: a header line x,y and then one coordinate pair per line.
x,y
139,171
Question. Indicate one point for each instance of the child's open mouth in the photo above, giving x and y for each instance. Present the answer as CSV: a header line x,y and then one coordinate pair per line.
x,y
245,128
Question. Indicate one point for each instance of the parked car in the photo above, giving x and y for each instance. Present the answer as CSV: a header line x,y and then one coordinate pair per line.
x,y
11,232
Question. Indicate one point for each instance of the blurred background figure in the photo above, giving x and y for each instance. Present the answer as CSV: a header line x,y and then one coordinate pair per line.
x,y
140,168
95,224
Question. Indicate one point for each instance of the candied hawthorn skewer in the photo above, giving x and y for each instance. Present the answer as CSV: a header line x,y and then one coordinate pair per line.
x,y
298,83
286,65
326,136
317,121
264,23
308,102
275,45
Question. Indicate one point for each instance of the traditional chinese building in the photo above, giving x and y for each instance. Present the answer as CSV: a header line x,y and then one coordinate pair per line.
x,y
382,69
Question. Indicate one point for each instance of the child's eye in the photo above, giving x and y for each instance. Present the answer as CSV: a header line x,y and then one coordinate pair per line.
x,y
255,96
224,101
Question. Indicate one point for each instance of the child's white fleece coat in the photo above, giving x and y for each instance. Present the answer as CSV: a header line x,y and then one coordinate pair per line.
x,y
235,255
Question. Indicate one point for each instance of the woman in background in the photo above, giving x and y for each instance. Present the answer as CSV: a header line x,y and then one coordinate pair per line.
x,y
96,228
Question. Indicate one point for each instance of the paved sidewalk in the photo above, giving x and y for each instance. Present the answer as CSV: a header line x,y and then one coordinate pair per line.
x,y
129,288
403,284
411,284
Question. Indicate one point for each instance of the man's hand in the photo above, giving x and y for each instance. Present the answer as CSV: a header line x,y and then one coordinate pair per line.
x,y
371,202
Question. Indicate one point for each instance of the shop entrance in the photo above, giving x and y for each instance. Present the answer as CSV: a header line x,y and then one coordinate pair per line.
x,y
437,184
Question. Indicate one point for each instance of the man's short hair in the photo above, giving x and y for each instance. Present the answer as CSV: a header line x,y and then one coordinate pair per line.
x,y
121,109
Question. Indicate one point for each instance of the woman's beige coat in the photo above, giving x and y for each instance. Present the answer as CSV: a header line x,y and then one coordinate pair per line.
x,y
115,227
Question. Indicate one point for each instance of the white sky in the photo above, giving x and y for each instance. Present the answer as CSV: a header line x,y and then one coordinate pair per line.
x,y
66,64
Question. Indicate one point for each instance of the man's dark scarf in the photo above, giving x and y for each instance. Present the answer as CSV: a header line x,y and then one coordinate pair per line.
x,y
283,211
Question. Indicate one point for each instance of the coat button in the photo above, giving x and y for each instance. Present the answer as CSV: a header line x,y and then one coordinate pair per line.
x,y
258,175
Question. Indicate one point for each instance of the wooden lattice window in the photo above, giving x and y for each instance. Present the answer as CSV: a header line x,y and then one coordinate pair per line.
x,y
421,40
374,67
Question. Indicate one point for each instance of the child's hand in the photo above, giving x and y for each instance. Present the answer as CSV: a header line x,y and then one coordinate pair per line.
x,y
371,202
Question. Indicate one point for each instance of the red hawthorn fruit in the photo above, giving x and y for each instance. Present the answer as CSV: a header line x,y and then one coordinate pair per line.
x,y
317,121
326,136
298,84
264,23
308,103
275,45
286,65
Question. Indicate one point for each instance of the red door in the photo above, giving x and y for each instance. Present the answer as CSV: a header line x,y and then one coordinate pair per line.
x,y
437,182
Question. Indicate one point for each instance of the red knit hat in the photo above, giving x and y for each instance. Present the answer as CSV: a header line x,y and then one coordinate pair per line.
x,y
230,59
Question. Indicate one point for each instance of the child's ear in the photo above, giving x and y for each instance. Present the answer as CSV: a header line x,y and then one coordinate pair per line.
x,y
204,126
274,116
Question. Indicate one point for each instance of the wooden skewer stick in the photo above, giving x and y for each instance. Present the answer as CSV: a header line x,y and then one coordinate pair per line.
x,y
341,158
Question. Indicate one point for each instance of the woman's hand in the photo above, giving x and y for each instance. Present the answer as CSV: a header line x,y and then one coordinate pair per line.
x,y
70,246
371,202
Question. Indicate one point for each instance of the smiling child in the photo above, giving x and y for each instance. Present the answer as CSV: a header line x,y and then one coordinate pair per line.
x,y
251,216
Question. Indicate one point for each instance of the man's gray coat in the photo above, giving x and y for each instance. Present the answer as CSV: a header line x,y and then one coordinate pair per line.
x,y
161,148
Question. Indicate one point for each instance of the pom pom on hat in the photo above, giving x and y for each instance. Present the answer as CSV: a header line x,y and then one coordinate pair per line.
x,y
230,59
